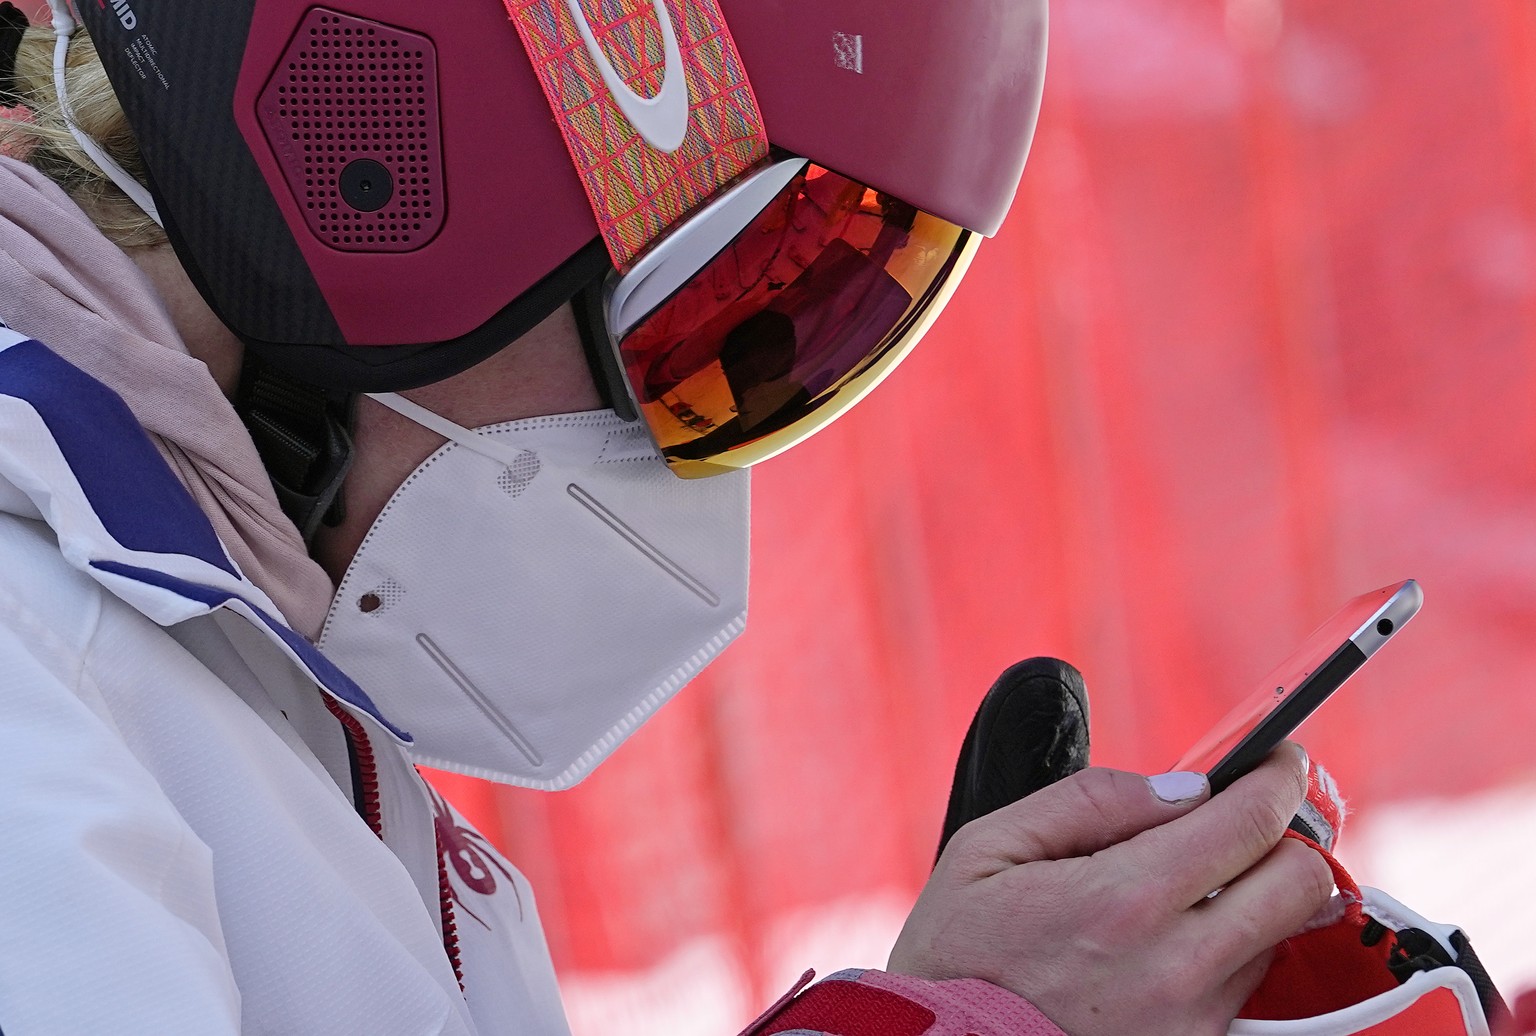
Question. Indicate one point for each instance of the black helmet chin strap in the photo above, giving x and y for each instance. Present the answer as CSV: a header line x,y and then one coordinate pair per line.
x,y
304,437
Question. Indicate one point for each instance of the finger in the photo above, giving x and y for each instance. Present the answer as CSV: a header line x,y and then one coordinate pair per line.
x,y
1269,904
1211,846
1080,815
1239,989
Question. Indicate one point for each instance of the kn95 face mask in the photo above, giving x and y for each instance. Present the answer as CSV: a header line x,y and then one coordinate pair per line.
x,y
535,590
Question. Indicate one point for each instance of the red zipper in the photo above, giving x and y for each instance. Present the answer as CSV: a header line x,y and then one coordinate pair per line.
x,y
367,767
368,784
445,905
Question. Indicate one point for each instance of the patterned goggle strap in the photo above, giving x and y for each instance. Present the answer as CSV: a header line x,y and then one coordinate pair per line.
x,y
654,104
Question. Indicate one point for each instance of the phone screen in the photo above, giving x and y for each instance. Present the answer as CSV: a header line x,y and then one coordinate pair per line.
x,y
1301,683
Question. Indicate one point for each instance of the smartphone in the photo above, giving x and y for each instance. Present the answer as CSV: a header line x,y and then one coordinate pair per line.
x,y
1301,683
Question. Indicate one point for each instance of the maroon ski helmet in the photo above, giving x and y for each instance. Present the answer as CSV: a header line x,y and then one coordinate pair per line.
x,y
375,194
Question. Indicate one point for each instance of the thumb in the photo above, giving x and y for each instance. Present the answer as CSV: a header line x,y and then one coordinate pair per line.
x,y
1090,811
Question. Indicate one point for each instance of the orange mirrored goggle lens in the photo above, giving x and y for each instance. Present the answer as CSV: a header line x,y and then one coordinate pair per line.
x,y
804,312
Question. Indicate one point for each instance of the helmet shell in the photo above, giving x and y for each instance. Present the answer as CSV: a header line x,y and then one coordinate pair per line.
x,y
934,103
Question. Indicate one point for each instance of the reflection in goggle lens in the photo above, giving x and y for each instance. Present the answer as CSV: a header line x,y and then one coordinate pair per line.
x,y
816,290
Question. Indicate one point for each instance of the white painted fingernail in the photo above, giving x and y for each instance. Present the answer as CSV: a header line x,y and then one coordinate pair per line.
x,y
1178,787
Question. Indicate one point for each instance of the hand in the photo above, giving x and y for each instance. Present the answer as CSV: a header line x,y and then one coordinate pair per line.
x,y
1089,898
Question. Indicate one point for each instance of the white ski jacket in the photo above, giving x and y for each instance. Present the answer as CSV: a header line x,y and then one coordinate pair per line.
x,y
205,827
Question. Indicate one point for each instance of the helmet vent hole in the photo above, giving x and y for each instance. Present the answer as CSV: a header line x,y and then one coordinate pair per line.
x,y
351,112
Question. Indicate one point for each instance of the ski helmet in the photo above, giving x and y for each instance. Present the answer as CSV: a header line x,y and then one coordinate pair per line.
x,y
760,204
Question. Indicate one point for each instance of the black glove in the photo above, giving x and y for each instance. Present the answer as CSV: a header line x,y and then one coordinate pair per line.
x,y
1030,730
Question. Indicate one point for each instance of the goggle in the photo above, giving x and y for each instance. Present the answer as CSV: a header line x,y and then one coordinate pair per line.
x,y
774,309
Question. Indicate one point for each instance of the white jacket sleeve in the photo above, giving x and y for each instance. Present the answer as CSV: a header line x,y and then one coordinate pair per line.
x,y
108,922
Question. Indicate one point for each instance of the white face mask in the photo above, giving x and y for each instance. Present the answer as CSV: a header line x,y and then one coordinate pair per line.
x,y
535,590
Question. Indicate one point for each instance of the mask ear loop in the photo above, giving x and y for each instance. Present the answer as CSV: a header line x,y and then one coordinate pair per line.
x,y
510,456
64,26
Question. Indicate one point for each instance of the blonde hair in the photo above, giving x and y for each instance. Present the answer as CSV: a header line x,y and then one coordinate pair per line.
x,y
46,142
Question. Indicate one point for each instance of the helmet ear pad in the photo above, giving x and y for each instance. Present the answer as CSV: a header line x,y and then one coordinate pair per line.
x,y
483,202
506,233
351,113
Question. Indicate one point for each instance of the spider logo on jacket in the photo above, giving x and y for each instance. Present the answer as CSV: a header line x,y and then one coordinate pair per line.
x,y
471,858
